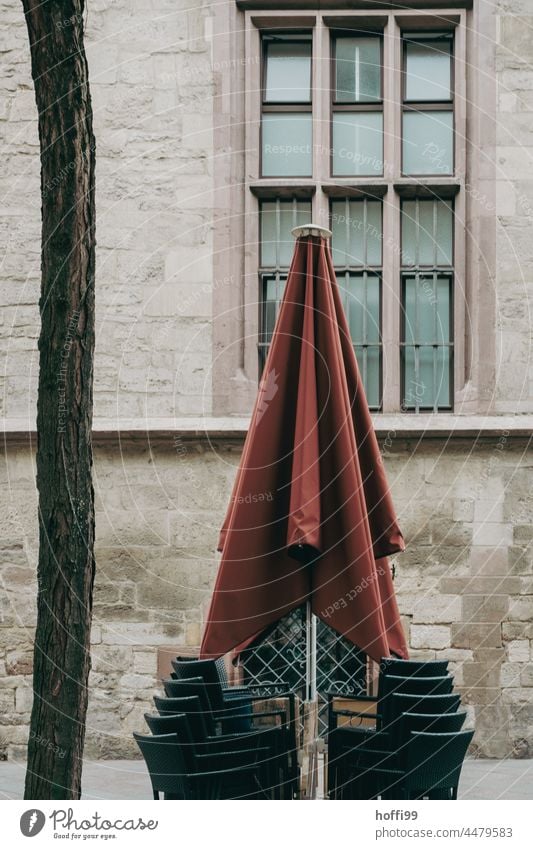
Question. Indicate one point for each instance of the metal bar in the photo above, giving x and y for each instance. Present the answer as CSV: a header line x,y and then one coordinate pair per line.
x,y
417,232
278,230
435,347
434,225
347,222
310,660
365,245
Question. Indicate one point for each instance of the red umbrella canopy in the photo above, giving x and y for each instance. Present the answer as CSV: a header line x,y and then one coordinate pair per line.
x,y
311,516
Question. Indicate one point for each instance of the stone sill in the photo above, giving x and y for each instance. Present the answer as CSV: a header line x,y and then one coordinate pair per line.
x,y
421,426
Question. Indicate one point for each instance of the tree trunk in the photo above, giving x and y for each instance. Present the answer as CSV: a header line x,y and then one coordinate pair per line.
x,y
64,405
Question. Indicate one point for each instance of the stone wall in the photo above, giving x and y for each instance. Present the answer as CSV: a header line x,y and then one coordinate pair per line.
x,y
152,93
514,203
465,583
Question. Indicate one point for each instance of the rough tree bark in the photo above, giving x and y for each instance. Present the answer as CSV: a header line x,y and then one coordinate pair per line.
x,y
64,406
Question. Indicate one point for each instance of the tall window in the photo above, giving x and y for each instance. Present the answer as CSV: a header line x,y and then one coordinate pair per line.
x,y
427,285
357,106
357,253
287,126
277,245
381,160
427,104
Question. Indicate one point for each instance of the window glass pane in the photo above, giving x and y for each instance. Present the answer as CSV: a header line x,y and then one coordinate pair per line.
x,y
288,72
444,233
426,378
427,233
361,300
368,360
287,145
357,144
443,377
289,215
428,142
428,70
427,309
356,240
358,69
427,325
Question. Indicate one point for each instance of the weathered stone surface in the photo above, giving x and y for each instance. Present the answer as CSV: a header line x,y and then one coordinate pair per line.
x,y
430,636
518,651
465,582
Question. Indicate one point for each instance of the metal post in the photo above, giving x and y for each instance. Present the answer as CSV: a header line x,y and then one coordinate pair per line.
x,y
310,659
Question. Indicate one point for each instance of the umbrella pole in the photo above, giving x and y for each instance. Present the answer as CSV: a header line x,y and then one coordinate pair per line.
x,y
310,647
309,762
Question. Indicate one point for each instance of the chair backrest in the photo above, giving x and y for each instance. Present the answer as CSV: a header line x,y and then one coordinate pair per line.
x,y
440,723
166,765
208,672
413,686
417,668
220,665
182,687
203,724
406,703
165,722
434,761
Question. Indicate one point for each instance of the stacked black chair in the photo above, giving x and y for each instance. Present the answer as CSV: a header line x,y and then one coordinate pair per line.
x,y
235,705
178,771
365,772
370,760
190,696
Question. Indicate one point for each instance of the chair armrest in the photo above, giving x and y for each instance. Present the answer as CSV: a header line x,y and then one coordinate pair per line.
x,y
224,760
253,715
348,712
359,698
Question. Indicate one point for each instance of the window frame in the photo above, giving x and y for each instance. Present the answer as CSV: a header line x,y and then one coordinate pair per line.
x,y
392,186
365,269
336,107
420,270
425,106
281,107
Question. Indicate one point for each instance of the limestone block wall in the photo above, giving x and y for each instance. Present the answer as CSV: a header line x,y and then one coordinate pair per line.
x,y
152,92
465,583
514,203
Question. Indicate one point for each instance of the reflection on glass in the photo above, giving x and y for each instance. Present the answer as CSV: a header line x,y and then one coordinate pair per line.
x,y
427,228
428,142
287,144
277,220
358,69
428,67
357,232
357,144
427,329
426,378
288,72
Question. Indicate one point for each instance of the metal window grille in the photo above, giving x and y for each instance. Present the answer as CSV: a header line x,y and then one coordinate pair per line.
x,y
427,305
359,275
278,659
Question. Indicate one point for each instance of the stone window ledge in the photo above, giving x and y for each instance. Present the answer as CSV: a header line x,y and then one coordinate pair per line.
x,y
420,426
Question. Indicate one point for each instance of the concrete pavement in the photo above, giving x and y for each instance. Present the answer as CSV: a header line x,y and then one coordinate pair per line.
x,y
480,779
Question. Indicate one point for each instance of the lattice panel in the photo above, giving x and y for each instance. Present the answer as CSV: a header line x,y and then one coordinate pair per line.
x,y
279,659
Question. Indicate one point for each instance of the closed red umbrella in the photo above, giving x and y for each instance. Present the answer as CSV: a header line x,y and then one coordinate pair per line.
x,y
311,517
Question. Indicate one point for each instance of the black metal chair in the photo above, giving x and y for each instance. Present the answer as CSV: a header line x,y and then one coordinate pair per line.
x,y
363,771
414,668
433,767
206,729
219,777
432,695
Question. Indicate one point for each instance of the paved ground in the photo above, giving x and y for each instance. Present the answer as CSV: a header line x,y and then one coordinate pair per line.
x,y
483,779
